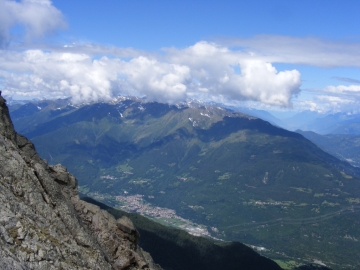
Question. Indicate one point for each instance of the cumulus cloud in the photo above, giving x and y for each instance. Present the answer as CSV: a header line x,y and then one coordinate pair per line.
x,y
310,106
38,17
205,70
328,103
331,99
159,81
49,74
38,73
236,75
336,103
340,97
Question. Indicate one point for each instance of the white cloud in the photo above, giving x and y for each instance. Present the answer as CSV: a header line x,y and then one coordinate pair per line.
x,y
59,75
157,80
208,71
310,105
331,99
35,72
299,50
335,103
38,17
338,98
204,69
342,89
334,100
236,75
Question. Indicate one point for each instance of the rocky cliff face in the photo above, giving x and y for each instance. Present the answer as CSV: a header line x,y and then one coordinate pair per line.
x,y
44,224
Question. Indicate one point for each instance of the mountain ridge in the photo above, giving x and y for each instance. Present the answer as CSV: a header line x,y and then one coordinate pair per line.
x,y
244,180
44,224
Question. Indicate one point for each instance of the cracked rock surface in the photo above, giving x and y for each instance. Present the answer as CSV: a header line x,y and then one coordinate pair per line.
x,y
44,224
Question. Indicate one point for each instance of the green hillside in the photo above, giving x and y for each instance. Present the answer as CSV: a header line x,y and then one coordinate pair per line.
x,y
238,176
175,249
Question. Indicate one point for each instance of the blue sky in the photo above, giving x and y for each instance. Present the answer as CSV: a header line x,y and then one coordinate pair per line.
x,y
151,25
289,55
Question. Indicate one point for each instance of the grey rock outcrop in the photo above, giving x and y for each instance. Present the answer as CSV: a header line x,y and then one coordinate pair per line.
x,y
44,224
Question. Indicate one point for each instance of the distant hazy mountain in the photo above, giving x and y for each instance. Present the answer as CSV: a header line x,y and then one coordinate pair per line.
x,y
338,123
243,178
264,115
301,120
343,146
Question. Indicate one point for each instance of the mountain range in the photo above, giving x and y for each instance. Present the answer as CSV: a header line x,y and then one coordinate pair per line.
x,y
45,225
343,146
337,123
229,175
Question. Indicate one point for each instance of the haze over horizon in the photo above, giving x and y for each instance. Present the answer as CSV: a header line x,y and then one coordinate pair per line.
x,y
269,55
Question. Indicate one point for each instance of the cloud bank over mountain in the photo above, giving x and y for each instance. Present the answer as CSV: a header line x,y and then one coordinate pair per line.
x,y
205,70
265,70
